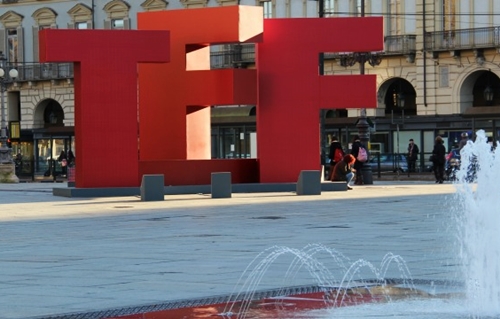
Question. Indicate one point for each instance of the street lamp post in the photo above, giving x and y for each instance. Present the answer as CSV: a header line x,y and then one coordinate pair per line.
x,y
322,112
362,124
400,101
7,167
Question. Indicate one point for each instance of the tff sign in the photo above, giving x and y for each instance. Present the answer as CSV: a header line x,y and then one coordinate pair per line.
x,y
143,97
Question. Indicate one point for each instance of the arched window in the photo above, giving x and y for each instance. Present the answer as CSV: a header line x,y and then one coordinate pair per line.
x,y
194,3
81,17
117,15
154,5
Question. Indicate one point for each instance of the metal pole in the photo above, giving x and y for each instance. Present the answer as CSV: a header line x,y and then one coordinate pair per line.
x,y
7,166
4,150
322,112
93,14
397,150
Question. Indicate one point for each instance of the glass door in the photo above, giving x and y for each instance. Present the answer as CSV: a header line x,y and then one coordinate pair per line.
x,y
43,157
47,153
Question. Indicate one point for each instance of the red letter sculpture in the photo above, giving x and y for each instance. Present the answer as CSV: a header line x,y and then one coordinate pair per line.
x,y
106,113
291,91
169,132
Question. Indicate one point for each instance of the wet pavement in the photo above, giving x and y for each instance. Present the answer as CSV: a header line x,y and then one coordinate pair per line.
x,y
66,255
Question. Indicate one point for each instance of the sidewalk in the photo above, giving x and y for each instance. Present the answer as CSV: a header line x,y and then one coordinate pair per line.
x,y
384,176
66,255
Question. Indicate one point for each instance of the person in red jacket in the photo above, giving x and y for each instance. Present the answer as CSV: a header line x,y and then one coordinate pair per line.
x,y
343,170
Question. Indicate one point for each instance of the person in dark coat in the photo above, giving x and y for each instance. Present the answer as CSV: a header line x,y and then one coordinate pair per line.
x,y
463,141
438,159
334,146
342,170
71,158
63,159
357,165
412,155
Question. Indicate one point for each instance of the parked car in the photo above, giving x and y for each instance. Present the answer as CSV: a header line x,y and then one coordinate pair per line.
x,y
389,163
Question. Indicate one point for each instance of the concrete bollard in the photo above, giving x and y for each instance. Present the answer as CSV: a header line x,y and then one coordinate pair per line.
x,y
309,183
152,187
221,185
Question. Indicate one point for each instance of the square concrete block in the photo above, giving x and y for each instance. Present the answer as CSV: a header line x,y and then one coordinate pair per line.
x,y
309,183
221,185
152,187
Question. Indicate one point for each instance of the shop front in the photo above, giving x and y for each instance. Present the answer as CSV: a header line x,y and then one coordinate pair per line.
x,y
48,144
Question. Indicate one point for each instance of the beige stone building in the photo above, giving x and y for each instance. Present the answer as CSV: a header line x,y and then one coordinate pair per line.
x,y
441,60
437,75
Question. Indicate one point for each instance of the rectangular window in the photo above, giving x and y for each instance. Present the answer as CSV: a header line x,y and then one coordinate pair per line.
x,y
268,9
394,19
12,45
81,25
15,129
117,24
449,22
449,15
443,76
358,8
329,7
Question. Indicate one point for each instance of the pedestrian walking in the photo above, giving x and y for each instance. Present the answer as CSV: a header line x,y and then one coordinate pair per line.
x,y
438,159
412,155
357,150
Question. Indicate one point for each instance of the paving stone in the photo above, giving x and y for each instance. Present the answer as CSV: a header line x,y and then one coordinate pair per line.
x,y
60,255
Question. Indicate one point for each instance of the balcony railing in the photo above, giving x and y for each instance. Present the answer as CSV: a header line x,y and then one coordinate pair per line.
x,y
477,38
236,55
43,71
393,45
400,44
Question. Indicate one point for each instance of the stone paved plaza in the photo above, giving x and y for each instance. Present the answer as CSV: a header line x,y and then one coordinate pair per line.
x,y
65,255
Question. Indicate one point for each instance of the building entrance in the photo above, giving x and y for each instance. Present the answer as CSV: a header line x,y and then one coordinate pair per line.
x,y
47,151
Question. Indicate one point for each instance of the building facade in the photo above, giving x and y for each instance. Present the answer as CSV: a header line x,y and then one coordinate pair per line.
x,y
437,75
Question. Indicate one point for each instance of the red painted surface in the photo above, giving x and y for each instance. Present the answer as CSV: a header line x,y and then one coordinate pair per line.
x,y
173,122
105,84
198,172
291,91
275,308
175,97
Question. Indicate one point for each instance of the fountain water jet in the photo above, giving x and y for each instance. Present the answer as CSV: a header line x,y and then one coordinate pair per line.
x,y
477,217
477,213
350,290
478,220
